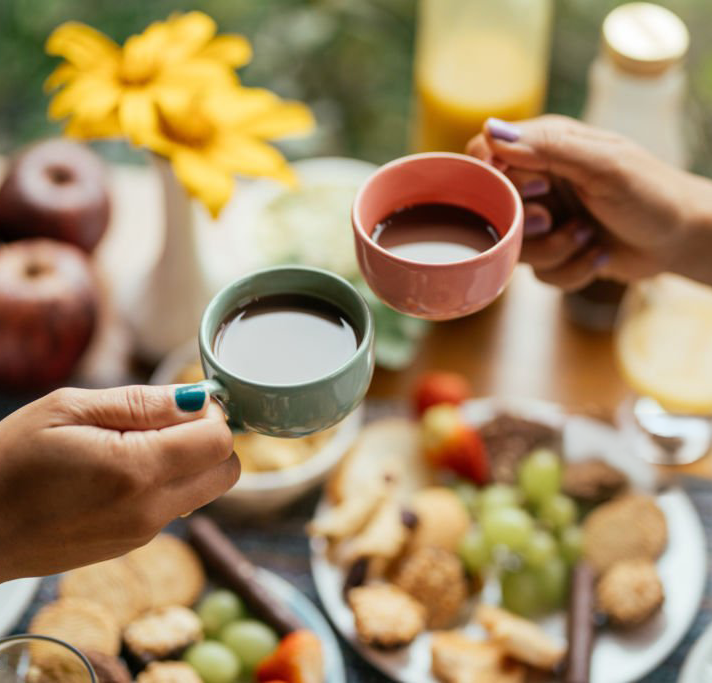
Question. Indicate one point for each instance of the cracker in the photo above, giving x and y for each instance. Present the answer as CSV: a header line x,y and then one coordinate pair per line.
x,y
171,570
442,519
169,672
628,528
385,616
84,624
114,584
630,592
163,633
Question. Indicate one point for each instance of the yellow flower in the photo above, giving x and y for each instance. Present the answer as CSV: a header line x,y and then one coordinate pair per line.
x,y
108,90
211,136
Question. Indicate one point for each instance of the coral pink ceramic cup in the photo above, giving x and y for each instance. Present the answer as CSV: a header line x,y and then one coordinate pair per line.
x,y
438,291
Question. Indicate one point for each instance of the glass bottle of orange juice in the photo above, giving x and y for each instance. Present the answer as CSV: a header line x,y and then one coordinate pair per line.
x,y
475,59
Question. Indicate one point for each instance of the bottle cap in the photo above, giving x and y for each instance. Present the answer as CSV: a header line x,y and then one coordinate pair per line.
x,y
645,39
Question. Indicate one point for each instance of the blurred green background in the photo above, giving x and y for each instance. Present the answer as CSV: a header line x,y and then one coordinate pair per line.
x,y
350,59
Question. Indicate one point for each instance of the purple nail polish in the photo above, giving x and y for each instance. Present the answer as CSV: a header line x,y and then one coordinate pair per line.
x,y
536,224
601,260
534,188
503,130
583,235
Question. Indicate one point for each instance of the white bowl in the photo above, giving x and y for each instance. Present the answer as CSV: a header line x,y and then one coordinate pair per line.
x,y
261,493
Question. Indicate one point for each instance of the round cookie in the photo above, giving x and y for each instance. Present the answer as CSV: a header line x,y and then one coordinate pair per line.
x,y
84,624
442,519
168,672
628,528
171,571
115,584
630,592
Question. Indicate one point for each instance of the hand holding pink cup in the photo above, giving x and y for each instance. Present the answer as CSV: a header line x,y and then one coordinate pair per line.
x,y
438,291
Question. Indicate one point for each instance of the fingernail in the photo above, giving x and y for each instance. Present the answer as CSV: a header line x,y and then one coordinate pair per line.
x,y
191,398
534,188
536,224
583,235
503,130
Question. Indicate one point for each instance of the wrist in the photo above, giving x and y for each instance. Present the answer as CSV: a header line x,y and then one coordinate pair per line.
x,y
692,256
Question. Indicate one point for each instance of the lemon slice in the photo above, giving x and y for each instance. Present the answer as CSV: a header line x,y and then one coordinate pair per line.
x,y
665,348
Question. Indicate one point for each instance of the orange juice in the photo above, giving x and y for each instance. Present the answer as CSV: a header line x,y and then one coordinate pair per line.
x,y
664,344
460,83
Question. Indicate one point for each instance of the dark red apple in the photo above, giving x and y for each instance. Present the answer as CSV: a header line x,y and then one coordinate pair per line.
x,y
57,189
48,312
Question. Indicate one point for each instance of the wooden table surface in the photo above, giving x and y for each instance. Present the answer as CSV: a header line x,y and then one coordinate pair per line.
x,y
523,345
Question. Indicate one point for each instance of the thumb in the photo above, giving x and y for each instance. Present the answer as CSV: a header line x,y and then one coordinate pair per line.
x,y
138,407
552,144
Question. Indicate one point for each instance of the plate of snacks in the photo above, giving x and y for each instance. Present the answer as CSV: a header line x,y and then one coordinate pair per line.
x,y
197,612
275,472
507,539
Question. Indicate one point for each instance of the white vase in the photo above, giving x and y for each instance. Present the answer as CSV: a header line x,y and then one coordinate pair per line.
x,y
169,302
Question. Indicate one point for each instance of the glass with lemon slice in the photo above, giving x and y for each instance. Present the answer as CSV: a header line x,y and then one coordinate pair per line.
x,y
664,351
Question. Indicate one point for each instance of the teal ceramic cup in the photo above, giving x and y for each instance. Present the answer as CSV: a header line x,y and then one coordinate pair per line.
x,y
288,410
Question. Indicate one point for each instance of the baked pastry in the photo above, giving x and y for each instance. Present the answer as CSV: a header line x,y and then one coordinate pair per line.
x,y
520,638
385,616
457,658
630,592
509,439
434,577
84,624
163,633
442,519
108,669
171,571
593,481
628,528
168,672
114,584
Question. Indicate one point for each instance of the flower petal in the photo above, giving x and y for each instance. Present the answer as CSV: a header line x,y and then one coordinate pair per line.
x,y
64,73
287,118
81,45
107,127
143,53
242,154
234,106
233,50
88,96
189,33
205,181
198,74
137,116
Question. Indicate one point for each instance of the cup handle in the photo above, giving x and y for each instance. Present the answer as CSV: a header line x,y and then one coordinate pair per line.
x,y
220,393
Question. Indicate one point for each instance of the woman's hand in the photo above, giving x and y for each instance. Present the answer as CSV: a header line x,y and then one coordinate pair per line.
x,y
626,215
88,475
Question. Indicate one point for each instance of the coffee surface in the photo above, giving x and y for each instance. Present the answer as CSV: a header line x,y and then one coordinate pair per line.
x,y
285,339
435,233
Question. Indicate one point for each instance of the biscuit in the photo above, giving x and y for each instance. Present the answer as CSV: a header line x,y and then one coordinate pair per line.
x,y
630,592
593,481
457,658
163,633
171,571
168,672
84,624
442,519
113,584
385,616
434,577
350,515
628,528
520,638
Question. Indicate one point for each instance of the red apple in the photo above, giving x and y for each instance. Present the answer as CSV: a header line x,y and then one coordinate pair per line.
x,y
56,189
48,312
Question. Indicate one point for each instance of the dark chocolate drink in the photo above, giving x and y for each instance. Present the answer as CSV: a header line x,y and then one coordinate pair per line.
x,y
435,233
285,339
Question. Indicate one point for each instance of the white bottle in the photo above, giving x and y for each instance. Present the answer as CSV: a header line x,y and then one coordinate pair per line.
x,y
637,83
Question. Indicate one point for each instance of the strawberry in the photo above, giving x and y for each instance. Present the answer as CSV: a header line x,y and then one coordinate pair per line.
x,y
451,444
297,659
440,387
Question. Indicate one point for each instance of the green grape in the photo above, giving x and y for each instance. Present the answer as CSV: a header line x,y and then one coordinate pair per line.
x,y
540,475
213,662
553,579
218,608
469,495
250,640
521,593
571,542
558,512
474,551
539,549
498,496
508,526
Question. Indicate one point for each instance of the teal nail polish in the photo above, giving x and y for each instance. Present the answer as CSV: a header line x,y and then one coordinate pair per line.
x,y
190,398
